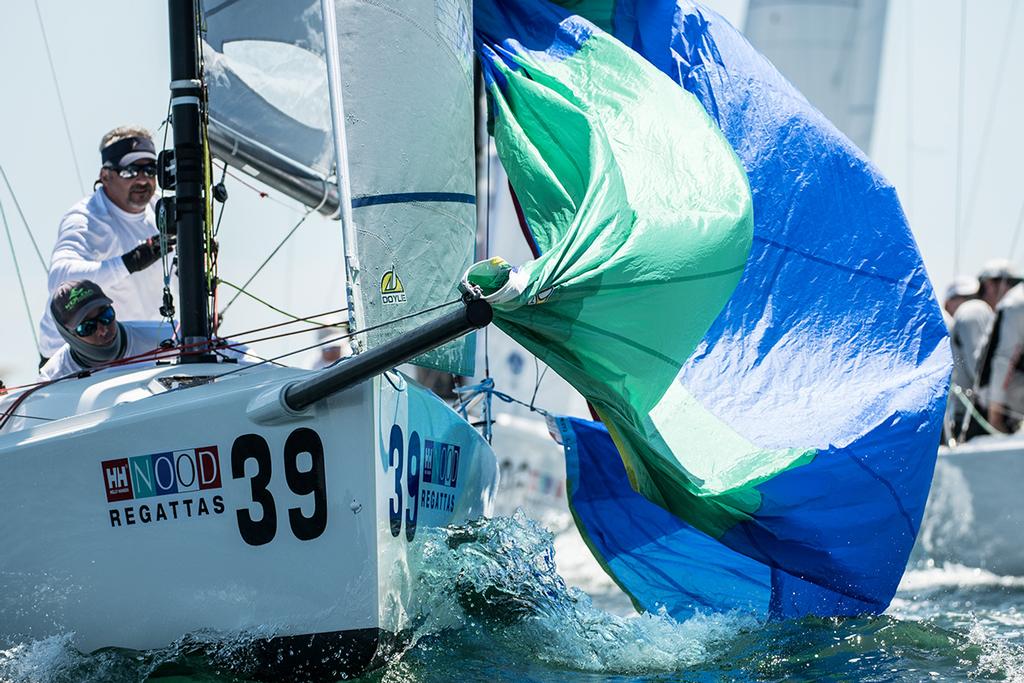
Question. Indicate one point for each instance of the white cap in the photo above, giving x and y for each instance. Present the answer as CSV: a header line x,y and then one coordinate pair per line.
x,y
335,335
962,285
999,269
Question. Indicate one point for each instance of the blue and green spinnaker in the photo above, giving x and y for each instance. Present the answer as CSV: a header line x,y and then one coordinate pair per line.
x,y
734,288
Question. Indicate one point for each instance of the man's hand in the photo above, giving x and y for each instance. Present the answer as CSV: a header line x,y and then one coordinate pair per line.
x,y
147,253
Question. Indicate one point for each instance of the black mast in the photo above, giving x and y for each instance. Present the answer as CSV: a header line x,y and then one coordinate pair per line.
x,y
190,208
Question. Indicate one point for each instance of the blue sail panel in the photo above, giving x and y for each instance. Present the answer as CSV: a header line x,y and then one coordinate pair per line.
x,y
832,344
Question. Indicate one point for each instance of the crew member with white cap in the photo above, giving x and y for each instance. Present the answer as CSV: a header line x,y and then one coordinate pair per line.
x,y
963,288
333,347
111,237
968,319
1001,382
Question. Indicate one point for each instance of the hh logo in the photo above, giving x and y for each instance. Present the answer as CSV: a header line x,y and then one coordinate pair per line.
x,y
161,474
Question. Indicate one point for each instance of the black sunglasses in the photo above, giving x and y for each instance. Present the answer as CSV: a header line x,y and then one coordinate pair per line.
x,y
129,172
87,327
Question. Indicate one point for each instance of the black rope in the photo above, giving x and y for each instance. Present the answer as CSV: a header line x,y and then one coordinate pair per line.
x,y
386,323
266,261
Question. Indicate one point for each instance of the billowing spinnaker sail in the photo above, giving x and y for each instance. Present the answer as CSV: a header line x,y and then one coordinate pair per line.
x,y
642,214
406,79
829,49
807,418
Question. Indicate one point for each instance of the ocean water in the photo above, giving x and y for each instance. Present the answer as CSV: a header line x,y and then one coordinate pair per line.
x,y
508,600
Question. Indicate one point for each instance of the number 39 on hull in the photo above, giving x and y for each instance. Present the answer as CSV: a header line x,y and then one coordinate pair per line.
x,y
150,514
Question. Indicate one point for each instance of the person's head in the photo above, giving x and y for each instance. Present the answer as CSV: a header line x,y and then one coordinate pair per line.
x,y
83,312
333,348
997,277
128,174
962,289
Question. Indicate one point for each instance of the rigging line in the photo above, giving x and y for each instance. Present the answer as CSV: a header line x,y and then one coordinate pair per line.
x,y
263,195
1016,231
344,336
987,130
21,214
60,98
540,378
220,214
910,104
35,417
958,215
21,282
294,318
309,319
487,254
252,277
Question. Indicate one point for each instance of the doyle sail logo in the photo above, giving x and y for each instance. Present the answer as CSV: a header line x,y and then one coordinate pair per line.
x,y
181,480
392,290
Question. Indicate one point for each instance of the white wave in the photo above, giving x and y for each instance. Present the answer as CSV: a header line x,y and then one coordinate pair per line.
x,y
955,575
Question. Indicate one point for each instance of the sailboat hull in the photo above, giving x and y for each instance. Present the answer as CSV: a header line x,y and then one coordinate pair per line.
x,y
134,524
973,517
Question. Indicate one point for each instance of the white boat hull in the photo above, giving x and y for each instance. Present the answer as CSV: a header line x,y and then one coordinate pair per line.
x,y
974,517
133,524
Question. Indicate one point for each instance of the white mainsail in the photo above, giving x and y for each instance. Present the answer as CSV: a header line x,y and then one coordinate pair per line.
x,y
830,49
404,74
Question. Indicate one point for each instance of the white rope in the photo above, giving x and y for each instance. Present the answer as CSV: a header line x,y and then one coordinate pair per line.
x,y
972,411
17,270
21,214
979,165
958,196
60,99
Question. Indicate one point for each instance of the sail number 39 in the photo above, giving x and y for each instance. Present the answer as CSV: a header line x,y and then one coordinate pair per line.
x,y
301,482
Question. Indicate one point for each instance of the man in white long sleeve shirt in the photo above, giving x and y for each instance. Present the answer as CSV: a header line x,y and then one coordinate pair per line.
x,y
111,237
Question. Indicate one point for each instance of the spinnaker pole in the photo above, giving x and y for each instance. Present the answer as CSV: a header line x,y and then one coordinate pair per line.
x,y
189,159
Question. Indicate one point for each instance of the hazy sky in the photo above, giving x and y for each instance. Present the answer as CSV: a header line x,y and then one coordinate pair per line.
x,y
111,61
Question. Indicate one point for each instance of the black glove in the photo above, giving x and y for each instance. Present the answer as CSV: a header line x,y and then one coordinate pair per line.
x,y
146,254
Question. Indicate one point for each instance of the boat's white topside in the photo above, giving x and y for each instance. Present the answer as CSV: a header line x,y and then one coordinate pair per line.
x,y
106,388
153,511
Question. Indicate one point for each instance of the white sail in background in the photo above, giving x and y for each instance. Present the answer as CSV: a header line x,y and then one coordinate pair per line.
x,y
831,50
403,71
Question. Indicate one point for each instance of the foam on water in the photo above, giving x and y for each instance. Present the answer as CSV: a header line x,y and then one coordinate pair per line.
x,y
491,604
508,593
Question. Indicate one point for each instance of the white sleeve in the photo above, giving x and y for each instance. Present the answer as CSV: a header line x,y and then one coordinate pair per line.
x,y
73,260
1006,354
59,365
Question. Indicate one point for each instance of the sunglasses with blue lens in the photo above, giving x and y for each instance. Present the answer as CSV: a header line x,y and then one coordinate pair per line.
x,y
87,327
129,172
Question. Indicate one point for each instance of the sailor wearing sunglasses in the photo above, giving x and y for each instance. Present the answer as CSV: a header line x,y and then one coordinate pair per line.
x,y
110,237
93,336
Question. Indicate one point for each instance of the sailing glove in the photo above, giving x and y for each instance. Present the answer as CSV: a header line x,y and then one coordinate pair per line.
x,y
146,254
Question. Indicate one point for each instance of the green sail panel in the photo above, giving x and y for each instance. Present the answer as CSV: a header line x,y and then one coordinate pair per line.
x,y
643,217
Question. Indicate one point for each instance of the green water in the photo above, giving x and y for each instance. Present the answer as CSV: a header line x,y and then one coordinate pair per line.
x,y
499,608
